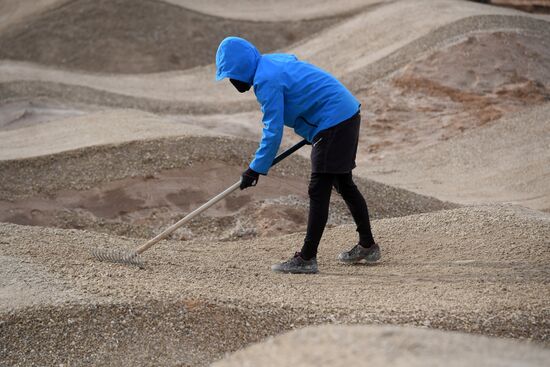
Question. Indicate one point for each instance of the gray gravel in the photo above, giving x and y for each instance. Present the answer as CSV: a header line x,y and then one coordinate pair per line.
x,y
474,269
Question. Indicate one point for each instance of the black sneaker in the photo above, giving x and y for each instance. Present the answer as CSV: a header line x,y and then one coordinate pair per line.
x,y
360,254
296,265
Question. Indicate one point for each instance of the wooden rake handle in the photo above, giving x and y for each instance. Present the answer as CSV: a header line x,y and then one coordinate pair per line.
x,y
211,202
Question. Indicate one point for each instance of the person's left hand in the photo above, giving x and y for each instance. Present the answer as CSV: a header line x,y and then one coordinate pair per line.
x,y
249,178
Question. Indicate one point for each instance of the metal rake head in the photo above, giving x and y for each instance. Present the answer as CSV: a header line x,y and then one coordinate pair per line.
x,y
128,257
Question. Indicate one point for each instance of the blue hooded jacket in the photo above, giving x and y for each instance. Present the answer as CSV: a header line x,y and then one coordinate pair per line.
x,y
290,92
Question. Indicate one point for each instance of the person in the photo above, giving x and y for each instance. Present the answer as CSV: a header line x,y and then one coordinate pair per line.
x,y
320,109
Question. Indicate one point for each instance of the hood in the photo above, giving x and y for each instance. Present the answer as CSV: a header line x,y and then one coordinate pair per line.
x,y
237,58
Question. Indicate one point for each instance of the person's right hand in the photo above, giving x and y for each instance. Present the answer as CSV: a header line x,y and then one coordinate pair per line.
x,y
249,178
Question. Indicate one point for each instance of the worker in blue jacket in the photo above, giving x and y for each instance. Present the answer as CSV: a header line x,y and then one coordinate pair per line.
x,y
320,109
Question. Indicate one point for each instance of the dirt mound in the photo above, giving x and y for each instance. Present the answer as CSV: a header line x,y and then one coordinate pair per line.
x,y
508,161
129,36
184,333
469,84
364,48
385,346
136,188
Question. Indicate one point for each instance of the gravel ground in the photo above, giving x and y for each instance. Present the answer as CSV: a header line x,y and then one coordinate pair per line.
x,y
477,269
474,269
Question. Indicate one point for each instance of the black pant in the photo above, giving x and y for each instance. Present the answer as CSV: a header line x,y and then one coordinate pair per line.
x,y
320,187
333,150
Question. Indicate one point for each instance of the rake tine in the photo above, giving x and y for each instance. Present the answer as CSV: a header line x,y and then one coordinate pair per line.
x,y
128,257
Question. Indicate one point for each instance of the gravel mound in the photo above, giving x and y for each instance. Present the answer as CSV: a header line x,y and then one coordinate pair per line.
x,y
508,161
424,103
184,333
137,188
360,51
440,37
130,36
381,346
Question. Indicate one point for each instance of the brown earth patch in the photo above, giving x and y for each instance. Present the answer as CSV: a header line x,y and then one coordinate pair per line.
x,y
137,188
139,206
472,83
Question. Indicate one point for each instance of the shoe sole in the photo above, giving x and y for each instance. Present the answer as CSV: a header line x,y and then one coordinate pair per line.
x,y
294,271
361,261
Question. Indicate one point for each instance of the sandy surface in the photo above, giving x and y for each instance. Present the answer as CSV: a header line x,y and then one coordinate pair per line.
x,y
340,50
508,161
278,10
476,269
24,283
18,11
100,128
28,113
454,90
384,346
455,104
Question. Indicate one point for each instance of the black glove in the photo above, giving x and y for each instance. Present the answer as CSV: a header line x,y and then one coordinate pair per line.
x,y
249,178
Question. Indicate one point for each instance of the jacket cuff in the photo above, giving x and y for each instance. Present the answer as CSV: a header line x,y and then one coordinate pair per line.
x,y
255,168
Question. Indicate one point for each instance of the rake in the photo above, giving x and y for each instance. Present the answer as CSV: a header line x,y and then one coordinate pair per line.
x,y
132,257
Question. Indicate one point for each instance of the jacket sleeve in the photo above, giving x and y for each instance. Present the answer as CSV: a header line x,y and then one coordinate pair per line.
x,y
272,103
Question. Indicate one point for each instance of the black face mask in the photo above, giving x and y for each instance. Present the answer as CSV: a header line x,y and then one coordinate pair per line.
x,y
241,86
